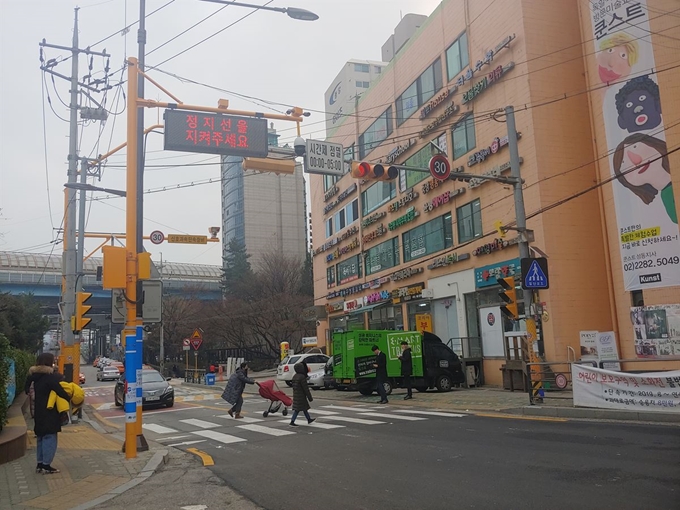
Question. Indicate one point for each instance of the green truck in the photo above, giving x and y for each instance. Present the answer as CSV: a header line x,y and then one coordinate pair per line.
x,y
435,365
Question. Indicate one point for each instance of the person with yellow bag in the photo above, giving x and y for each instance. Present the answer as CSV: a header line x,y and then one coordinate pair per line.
x,y
47,420
76,397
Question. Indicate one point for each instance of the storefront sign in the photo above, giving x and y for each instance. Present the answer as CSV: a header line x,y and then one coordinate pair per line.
x,y
329,244
434,103
495,245
354,304
494,172
376,297
486,276
398,151
442,199
410,293
486,82
408,196
331,193
433,184
447,260
496,145
373,218
349,269
450,110
334,307
405,273
340,198
341,251
355,289
657,331
488,58
423,322
377,283
378,232
411,215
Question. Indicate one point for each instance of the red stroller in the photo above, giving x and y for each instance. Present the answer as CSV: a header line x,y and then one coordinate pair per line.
x,y
269,390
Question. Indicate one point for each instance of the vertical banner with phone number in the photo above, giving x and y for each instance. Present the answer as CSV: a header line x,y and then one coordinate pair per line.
x,y
646,214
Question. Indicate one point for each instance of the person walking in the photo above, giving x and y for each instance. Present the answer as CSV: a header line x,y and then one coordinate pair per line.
x,y
47,422
301,394
406,368
233,392
380,373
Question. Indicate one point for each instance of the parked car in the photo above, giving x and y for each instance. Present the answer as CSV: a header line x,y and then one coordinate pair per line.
x,y
118,365
156,391
323,377
108,374
285,371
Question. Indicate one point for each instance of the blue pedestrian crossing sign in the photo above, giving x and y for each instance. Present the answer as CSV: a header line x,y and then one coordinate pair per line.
x,y
535,273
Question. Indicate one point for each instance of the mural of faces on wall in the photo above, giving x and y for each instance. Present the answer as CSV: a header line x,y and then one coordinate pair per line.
x,y
618,54
639,105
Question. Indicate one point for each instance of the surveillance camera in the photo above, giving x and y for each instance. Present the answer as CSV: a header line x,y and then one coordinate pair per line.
x,y
300,146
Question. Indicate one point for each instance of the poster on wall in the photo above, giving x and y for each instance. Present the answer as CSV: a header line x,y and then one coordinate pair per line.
x,y
647,219
588,345
607,350
657,330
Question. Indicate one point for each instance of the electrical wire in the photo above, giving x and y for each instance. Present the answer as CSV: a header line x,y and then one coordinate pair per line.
x,y
47,172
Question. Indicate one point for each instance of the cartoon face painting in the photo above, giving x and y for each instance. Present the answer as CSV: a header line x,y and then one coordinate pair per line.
x,y
639,105
618,54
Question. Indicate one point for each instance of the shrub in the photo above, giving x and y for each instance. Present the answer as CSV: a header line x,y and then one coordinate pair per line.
x,y
4,373
23,361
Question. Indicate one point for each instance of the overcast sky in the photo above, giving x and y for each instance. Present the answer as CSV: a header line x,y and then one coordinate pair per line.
x,y
267,56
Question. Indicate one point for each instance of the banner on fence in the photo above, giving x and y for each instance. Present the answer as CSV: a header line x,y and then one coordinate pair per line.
x,y
606,389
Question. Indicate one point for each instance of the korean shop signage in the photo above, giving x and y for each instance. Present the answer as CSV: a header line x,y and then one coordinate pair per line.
x,y
495,171
355,289
496,145
450,111
410,215
334,307
353,305
495,245
339,252
435,102
433,184
486,276
488,58
340,198
408,196
405,273
331,193
376,297
442,199
329,244
398,151
375,234
447,260
373,218
409,293
486,82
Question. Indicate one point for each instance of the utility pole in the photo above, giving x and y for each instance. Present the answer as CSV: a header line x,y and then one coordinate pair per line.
x,y
162,340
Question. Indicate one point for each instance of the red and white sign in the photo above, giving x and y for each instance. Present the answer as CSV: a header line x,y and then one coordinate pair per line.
x,y
440,168
196,339
157,237
186,342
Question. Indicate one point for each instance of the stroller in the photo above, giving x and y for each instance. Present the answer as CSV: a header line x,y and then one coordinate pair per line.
x,y
269,390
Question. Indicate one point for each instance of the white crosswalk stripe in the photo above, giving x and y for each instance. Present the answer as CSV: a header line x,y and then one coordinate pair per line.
x,y
431,413
219,436
158,429
393,416
266,430
316,425
360,421
345,408
245,419
321,412
200,423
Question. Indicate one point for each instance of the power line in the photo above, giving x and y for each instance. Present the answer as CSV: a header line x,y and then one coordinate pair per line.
x,y
47,172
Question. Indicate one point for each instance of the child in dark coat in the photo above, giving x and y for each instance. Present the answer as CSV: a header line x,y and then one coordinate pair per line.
x,y
301,394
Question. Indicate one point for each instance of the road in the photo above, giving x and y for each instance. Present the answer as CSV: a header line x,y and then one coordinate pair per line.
x,y
365,456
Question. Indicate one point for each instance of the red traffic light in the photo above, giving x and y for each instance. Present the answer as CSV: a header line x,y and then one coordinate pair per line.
x,y
364,170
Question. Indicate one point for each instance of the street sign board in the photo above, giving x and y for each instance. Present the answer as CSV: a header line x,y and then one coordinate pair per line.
x,y
324,158
196,343
535,273
186,342
151,308
157,237
187,239
440,168
216,133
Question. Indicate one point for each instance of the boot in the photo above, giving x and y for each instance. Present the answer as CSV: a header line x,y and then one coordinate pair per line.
x,y
238,416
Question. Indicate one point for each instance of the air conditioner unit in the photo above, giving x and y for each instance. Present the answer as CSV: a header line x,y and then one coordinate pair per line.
x,y
428,293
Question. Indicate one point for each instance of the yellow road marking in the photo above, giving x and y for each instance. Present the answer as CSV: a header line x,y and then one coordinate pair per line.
x,y
520,417
207,459
106,422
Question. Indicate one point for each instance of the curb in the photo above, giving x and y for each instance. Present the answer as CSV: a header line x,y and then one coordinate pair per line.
x,y
596,414
160,457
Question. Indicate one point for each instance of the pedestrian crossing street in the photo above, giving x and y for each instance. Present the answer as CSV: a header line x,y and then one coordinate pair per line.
x,y
221,429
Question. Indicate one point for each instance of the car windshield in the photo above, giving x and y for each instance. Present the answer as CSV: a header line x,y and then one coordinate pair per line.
x,y
151,376
293,360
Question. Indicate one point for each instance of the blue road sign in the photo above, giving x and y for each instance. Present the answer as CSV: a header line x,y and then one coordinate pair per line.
x,y
535,273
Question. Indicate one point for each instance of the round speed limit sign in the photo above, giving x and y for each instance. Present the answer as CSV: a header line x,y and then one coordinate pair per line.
x,y
157,237
440,168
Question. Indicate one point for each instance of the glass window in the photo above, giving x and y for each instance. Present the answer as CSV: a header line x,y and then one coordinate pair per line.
x,y
329,181
352,211
383,256
430,237
464,136
421,159
414,309
457,57
469,218
386,318
349,270
378,69
361,68
329,227
330,277
376,133
419,92
407,103
339,220
377,195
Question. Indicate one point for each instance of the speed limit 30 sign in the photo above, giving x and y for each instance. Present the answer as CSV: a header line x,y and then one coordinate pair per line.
x,y
157,237
440,168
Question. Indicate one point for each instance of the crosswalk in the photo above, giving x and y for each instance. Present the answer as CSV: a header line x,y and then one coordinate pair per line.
x,y
182,394
218,430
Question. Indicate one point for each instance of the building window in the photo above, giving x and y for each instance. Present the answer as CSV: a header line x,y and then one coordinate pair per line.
x,y
383,256
349,270
464,136
419,92
409,178
361,68
329,181
363,84
469,218
386,318
330,277
346,216
329,227
377,69
428,238
414,309
457,56
376,133
378,194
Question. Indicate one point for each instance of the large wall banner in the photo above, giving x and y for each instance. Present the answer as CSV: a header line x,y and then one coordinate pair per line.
x,y
657,330
643,194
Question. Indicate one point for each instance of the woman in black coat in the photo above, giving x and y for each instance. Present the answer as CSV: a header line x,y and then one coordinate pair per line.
x,y
301,394
47,421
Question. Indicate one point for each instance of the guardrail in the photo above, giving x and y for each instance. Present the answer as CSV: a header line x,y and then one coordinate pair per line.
x,y
196,376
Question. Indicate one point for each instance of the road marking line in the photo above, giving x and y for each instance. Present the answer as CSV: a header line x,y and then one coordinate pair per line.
x,y
394,416
324,413
245,419
343,408
187,443
266,430
207,459
200,423
104,407
158,429
520,417
172,438
431,413
360,421
218,436
317,425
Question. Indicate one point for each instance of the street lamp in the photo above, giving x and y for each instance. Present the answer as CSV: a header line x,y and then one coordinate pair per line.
x,y
89,187
292,12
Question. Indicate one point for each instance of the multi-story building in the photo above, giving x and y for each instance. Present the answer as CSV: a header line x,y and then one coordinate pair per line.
x,y
416,252
264,211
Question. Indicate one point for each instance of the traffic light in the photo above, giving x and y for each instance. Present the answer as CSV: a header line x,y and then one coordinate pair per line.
x,y
508,295
277,166
377,171
81,309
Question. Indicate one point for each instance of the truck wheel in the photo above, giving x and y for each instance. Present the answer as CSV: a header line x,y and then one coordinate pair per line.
x,y
366,392
444,383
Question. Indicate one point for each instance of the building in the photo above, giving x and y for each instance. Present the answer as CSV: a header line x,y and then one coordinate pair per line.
x,y
416,252
264,211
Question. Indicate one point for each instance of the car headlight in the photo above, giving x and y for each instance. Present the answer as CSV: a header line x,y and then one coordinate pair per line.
x,y
169,389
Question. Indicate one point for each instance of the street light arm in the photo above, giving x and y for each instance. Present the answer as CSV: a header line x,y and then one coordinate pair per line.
x,y
292,12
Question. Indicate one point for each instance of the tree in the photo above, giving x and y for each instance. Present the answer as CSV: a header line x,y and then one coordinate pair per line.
x,y
236,269
22,321
307,278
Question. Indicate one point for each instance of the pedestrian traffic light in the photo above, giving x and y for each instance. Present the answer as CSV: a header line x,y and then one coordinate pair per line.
x,y
81,309
509,296
377,171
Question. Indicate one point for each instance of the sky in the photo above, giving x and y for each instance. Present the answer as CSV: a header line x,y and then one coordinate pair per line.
x,y
267,56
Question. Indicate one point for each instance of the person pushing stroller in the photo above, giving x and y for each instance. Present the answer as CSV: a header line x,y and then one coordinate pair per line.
x,y
233,392
301,394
